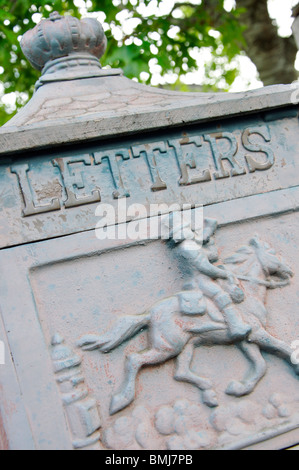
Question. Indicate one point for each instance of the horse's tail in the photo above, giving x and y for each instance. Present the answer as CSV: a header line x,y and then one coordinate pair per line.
x,y
125,328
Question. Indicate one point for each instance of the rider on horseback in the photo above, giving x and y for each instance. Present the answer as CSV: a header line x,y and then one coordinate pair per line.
x,y
200,254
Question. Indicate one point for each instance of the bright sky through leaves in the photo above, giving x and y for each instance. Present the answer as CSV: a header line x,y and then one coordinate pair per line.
x,y
280,11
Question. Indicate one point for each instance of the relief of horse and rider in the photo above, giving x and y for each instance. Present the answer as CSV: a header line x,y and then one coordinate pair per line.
x,y
218,305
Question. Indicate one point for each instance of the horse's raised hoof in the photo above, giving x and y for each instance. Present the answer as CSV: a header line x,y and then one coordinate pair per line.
x,y
236,389
209,398
118,403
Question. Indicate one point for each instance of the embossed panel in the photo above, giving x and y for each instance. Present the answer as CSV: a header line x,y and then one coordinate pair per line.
x,y
117,340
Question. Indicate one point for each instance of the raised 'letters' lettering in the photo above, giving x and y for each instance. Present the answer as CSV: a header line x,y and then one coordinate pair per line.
x,y
188,160
253,164
111,156
22,170
218,156
192,157
74,179
149,151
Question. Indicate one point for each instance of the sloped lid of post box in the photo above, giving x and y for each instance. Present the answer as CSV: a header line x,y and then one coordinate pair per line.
x,y
76,100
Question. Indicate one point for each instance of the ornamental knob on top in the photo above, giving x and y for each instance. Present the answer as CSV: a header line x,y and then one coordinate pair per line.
x,y
60,36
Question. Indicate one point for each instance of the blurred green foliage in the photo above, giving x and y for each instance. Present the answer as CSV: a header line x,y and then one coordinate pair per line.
x,y
169,39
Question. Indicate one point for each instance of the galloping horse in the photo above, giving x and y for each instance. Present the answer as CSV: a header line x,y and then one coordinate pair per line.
x,y
173,334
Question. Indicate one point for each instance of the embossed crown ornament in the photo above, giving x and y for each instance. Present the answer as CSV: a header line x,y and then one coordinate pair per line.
x,y
59,36
66,48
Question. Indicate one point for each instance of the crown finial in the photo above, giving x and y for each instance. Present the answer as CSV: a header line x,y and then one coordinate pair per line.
x,y
59,36
54,16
